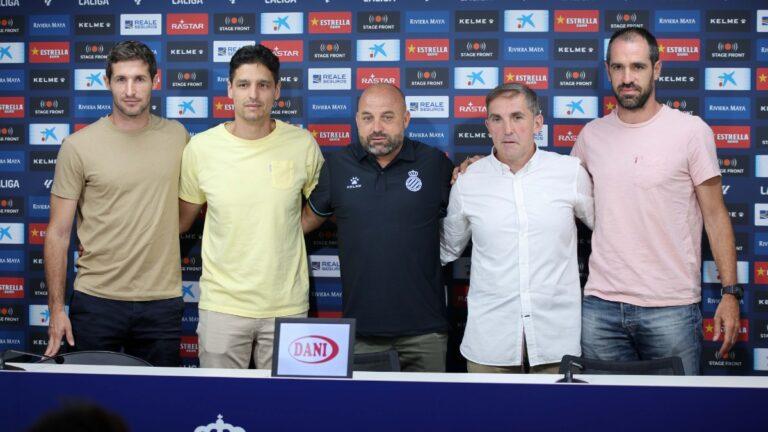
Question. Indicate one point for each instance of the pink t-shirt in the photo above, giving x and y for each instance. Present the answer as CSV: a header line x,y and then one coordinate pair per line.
x,y
646,246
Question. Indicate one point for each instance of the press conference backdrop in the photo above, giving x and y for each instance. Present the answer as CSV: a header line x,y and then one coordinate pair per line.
x,y
445,55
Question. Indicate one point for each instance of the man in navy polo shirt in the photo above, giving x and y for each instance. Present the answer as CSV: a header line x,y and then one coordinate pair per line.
x,y
388,194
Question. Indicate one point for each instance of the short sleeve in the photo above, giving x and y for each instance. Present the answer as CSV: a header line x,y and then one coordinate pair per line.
x,y
313,167
702,156
189,185
320,200
69,175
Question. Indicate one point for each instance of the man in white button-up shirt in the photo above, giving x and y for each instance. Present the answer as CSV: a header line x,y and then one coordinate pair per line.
x,y
518,207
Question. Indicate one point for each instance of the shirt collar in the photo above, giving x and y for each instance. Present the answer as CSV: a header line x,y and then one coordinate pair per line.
x,y
503,168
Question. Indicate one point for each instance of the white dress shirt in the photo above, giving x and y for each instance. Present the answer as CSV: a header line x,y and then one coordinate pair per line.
x,y
524,280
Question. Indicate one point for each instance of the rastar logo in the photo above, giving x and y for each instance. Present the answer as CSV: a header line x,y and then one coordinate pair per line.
x,y
37,233
427,50
732,136
12,107
11,287
49,52
708,326
565,135
679,49
187,24
369,76
286,50
534,77
313,349
577,20
330,22
331,135
469,107
223,107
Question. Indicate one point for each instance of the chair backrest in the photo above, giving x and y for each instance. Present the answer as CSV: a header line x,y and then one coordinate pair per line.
x,y
662,366
384,361
103,358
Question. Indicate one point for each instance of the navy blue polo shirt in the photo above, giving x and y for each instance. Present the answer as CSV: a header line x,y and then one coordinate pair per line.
x,y
389,239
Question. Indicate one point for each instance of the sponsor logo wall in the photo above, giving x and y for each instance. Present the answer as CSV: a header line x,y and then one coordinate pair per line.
x,y
444,55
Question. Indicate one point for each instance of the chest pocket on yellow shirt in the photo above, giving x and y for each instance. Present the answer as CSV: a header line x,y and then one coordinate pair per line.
x,y
281,173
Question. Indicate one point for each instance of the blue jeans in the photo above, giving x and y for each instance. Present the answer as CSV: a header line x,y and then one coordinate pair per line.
x,y
624,332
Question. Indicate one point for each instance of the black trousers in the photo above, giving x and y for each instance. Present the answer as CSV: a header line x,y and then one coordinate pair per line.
x,y
150,330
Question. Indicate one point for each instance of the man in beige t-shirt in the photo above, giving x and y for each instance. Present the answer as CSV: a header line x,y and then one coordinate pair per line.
x,y
120,176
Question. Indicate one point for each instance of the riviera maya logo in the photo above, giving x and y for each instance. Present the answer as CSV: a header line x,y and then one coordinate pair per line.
x,y
219,426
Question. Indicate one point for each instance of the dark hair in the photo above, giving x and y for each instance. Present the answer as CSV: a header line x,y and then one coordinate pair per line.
x,y
131,50
258,53
514,89
630,33
82,417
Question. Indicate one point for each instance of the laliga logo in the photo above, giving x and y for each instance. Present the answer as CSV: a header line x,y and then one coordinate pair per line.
x,y
313,349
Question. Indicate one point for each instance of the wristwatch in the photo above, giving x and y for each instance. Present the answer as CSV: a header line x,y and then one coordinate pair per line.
x,y
734,290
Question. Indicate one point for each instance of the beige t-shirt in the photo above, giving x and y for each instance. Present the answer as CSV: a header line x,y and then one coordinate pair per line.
x,y
126,184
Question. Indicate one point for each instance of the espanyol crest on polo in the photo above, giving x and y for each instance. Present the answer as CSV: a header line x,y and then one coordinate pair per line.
x,y
413,182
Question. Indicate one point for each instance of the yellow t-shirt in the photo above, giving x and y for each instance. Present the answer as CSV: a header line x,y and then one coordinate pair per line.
x,y
254,258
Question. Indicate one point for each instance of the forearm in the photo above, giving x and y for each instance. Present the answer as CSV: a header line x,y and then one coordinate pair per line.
x,y
722,243
55,257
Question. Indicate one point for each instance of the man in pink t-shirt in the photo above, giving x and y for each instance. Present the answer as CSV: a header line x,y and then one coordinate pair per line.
x,y
656,183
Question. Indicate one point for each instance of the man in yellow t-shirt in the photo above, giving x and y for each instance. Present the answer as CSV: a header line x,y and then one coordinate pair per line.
x,y
252,173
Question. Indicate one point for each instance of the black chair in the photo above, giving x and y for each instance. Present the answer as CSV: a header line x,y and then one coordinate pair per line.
x,y
98,358
662,366
384,361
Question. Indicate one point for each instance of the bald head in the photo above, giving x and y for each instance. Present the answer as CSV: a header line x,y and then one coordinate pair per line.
x,y
381,120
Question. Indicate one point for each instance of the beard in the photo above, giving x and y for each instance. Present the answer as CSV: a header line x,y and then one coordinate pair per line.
x,y
634,102
392,143
130,112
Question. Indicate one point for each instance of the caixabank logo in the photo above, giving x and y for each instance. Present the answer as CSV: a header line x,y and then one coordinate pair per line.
x,y
186,107
476,49
49,79
11,52
426,78
330,22
234,23
48,133
282,23
730,79
330,50
378,50
575,107
90,80
475,78
378,22
523,21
